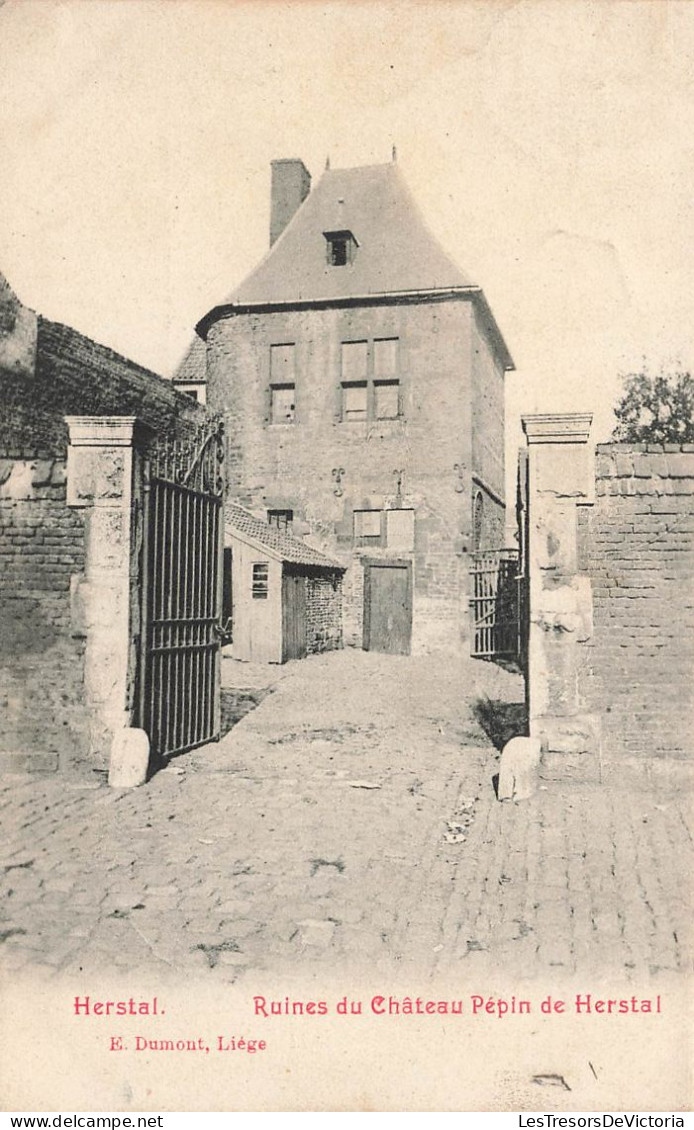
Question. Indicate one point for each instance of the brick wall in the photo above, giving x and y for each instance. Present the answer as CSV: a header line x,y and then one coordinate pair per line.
x,y
41,656
323,612
637,546
73,375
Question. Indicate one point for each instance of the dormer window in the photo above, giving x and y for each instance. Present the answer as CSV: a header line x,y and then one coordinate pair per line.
x,y
340,248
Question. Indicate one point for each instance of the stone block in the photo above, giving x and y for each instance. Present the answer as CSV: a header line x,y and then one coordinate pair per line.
x,y
42,472
59,473
518,769
27,761
566,471
129,759
624,464
574,734
681,466
556,766
19,484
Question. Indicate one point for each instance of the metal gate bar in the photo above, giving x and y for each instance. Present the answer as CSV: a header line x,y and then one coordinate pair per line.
x,y
494,605
181,638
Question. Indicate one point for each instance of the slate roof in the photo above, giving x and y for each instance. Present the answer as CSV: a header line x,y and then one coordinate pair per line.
x,y
278,543
193,365
396,251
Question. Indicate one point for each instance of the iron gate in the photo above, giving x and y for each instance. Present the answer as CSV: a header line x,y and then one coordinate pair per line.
x,y
495,605
182,594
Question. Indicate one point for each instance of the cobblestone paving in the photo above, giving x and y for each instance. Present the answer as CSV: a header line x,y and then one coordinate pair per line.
x,y
349,820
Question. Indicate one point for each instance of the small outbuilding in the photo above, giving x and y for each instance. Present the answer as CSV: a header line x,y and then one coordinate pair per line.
x,y
282,598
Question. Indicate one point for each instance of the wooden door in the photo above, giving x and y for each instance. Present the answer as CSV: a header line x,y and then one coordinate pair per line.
x,y
293,616
388,607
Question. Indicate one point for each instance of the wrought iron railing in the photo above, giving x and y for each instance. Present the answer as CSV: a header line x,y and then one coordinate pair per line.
x,y
495,605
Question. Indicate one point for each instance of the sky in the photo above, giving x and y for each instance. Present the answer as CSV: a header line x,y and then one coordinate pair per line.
x,y
550,146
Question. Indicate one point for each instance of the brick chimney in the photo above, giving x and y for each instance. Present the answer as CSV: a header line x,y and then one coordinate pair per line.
x,y
291,184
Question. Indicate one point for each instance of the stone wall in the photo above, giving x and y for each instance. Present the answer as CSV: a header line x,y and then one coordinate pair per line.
x,y
41,648
52,675
636,544
72,375
487,422
323,612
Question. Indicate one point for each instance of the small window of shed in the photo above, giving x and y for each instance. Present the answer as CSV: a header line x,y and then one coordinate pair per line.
x,y
260,580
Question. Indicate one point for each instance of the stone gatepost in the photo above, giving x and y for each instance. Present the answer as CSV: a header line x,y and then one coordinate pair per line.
x,y
105,477
561,477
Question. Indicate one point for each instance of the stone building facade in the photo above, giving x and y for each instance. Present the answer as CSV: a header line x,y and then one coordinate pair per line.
x,y
362,380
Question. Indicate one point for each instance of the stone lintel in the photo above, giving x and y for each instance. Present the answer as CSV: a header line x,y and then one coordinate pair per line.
x,y
557,427
107,431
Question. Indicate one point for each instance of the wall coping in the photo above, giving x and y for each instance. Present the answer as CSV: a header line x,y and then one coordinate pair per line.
x,y
645,448
107,431
557,427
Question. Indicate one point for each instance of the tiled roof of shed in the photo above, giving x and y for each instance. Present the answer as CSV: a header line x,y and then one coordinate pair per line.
x,y
396,251
193,364
279,543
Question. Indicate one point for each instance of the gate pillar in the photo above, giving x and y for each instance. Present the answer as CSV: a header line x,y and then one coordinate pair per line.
x,y
105,477
560,478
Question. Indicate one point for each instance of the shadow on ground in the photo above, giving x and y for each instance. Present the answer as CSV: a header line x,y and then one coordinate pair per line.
x,y
501,720
236,703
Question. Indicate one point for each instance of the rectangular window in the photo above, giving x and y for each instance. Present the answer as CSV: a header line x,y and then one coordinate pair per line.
x,y
367,525
386,358
282,361
371,379
354,360
282,519
260,580
227,603
386,400
400,530
354,400
341,247
282,410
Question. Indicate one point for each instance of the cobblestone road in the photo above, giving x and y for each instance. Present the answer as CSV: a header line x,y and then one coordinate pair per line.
x,y
349,820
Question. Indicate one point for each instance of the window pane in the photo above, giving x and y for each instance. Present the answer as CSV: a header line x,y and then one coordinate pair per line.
x,y
354,401
386,357
281,518
338,252
367,523
386,399
354,360
281,364
283,404
400,529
